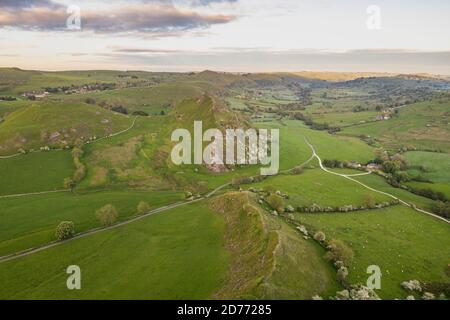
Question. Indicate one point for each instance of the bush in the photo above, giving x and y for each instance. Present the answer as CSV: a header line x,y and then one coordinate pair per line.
x,y
339,251
120,109
276,202
140,113
107,215
69,183
65,230
143,207
298,170
442,209
369,202
342,273
90,101
319,236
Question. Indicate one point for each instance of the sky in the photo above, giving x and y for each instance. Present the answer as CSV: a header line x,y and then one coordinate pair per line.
x,y
396,36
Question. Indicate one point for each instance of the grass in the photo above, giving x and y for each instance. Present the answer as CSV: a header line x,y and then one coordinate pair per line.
x,y
380,183
437,187
174,255
268,256
42,171
294,150
405,244
422,125
31,221
429,165
152,100
343,119
299,270
318,187
56,125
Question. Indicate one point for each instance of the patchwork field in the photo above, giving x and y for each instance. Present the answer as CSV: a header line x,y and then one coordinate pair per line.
x,y
43,171
405,244
175,255
31,221
424,126
315,186
112,131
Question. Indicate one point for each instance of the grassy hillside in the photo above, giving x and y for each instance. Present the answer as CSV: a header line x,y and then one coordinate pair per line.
x,y
405,244
56,125
267,255
174,255
43,171
31,221
318,187
423,126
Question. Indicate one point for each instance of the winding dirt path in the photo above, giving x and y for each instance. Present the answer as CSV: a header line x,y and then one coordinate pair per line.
x,y
349,177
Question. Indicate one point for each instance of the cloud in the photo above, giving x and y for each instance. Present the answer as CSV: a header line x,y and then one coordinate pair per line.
x,y
154,17
266,60
20,4
143,50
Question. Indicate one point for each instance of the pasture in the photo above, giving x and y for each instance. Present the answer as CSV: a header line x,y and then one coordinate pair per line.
x,y
31,221
405,244
173,255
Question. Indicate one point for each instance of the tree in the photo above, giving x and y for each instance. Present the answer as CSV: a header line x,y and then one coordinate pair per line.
x,y
77,152
276,202
69,184
369,202
107,215
319,236
143,207
339,251
65,230
298,170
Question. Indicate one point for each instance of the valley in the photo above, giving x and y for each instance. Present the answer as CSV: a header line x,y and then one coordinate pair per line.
x,y
363,180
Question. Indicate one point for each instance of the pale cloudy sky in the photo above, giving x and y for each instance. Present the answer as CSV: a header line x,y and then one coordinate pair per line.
x,y
228,35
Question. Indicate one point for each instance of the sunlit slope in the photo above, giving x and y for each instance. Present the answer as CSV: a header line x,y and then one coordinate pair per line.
x,y
56,125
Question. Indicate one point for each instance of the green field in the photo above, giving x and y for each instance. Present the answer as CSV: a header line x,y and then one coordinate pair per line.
x,y
229,245
56,125
294,150
31,221
319,187
422,125
429,165
43,171
174,255
405,244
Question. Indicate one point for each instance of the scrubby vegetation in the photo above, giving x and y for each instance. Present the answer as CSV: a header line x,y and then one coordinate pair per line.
x,y
107,215
65,230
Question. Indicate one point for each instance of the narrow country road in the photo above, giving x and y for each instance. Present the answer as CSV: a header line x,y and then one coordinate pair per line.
x,y
349,177
30,251
17,195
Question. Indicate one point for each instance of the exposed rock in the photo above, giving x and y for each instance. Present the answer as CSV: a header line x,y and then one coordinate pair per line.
x,y
343,295
317,297
342,273
290,208
360,292
412,285
428,296
303,230
410,298
338,264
